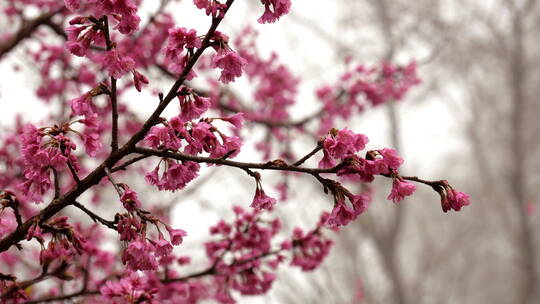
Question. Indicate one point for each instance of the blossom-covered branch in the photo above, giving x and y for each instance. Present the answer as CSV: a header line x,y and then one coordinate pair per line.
x,y
64,159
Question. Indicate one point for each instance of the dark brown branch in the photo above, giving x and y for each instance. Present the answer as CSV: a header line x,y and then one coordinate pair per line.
x,y
56,183
128,163
212,270
73,172
275,165
434,184
12,202
113,182
112,94
27,29
59,272
96,218
81,293
309,155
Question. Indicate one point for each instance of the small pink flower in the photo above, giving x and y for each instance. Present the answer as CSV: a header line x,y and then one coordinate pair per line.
x,y
345,143
162,137
139,80
139,255
130,200
163,247
179,38
72,5
176,235
236,120
91,121
128,228
211,7
230,147
76,48
80,36
201,139
360,202
116,64
327,161
273,10
230,63
400,189
92,143
193,108
34,232
311,249
261,201
128,24
454,200
341,215
82,105
152,177
390,157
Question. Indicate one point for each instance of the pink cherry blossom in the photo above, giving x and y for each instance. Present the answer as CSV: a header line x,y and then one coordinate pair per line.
x,y
390,157
455,200
193,108
82,105
341,215
237,120
163,138
344,143
117,64
273,10
72,5
139,255
129,228
401,189
211,7
130,200
230,63
92,143
261,201
311,251
139,80
177,235
128,24
163,247
178,39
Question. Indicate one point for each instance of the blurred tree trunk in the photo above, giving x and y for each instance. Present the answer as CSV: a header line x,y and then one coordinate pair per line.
x,y
518,72
388,241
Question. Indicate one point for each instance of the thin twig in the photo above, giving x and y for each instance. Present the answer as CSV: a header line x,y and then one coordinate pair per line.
x,y
276,165
309,155
111,179
73,172
26,31
96,218
56,183
81,293
128,163
112,94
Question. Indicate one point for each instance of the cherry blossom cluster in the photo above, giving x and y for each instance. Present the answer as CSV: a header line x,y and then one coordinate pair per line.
x,y
181,133
343,145
45,151
123,12
361,87
275,86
